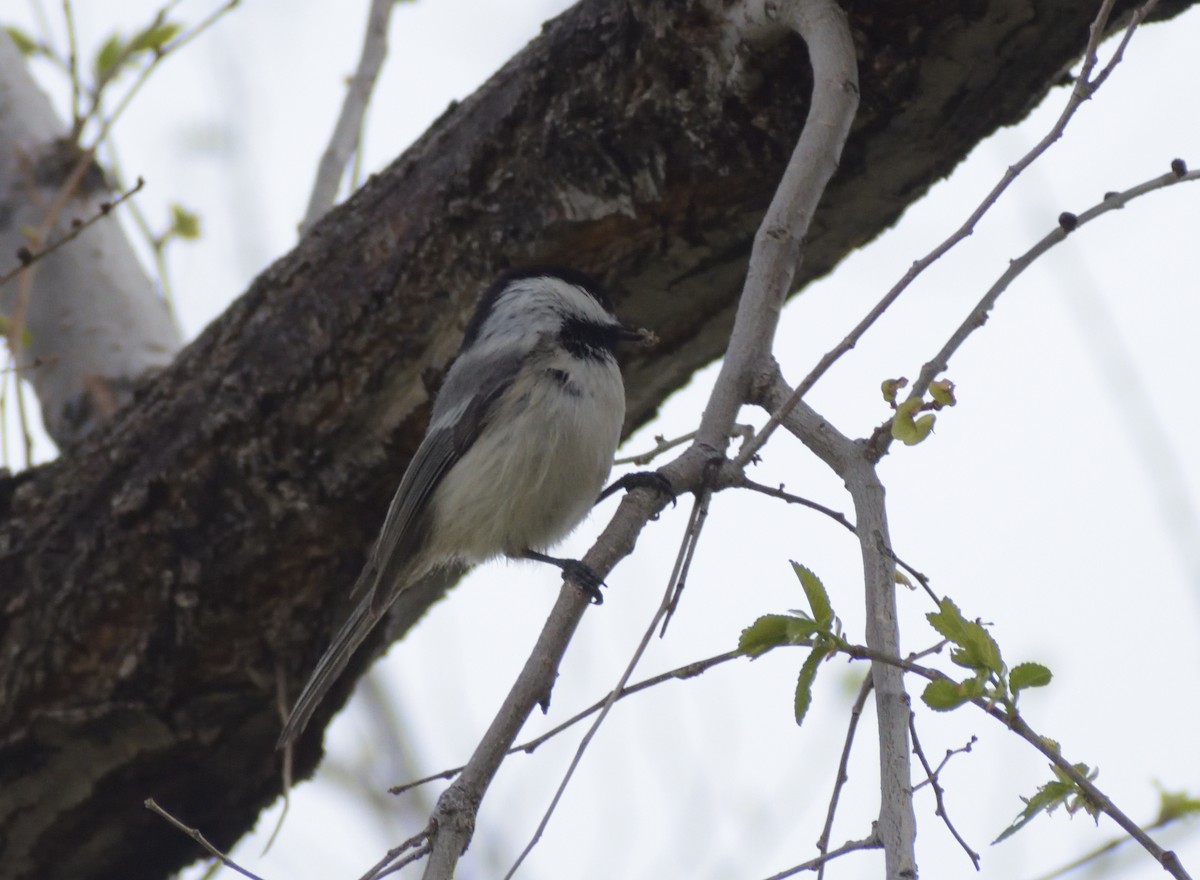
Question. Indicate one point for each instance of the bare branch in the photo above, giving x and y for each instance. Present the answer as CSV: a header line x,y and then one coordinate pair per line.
x,y
27,258
683,562
777,245
396,858
195,835
1084,89
843,772
690,670
1068,224
897,822
348,129
836,515
1014,722
871,842
687,550
774,259
662,444
931,775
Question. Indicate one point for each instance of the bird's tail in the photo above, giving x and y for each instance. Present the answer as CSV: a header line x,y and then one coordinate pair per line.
x,y
362,620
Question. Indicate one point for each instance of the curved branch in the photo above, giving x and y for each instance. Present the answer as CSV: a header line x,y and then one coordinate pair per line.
x,y
773,263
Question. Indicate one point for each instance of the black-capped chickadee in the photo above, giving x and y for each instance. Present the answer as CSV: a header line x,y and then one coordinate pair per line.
x,y
519,445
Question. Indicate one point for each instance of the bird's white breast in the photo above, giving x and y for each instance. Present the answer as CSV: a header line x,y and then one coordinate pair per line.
x,y
537,468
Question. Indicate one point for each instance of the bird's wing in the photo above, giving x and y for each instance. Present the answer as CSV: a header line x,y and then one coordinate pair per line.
x,y
362,620
464,406
475,383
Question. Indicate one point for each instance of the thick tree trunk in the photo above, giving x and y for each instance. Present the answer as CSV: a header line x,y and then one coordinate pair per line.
x,y
156,582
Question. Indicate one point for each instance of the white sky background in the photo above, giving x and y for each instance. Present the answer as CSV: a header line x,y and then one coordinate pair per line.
x,y
1057,500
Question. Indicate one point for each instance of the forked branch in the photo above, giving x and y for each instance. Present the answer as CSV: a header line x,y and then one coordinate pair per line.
x,y
774,260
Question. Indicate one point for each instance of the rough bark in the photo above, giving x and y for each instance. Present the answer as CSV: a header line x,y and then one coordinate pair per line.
x,y
156,581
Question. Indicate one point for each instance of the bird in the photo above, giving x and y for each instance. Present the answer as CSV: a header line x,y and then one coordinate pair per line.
x,y
519,445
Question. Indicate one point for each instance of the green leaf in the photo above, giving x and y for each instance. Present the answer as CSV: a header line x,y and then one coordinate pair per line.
x,y
891,388
25,44
110,57
942,392
908,431
976,649
1174,805
808,674
155,37
1048,798
943,695
769,631
801,628
922,428
818,598
949,621
1029,675
983,650
184,223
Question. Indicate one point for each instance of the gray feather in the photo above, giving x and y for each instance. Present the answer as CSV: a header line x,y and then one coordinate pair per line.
x,y
395,562
362,620
478,380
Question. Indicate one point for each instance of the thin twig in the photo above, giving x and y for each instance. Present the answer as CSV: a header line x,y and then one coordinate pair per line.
x,y
690,670
938,794
195,835
682,560
691,541
37,238
72,66
281,706
418,843
977,317
950,753
838,517
1084,89
419,853
106,124
871,842
783,495
1068,224
28,257
1014,722
345,138
843,771
1100,852
662,444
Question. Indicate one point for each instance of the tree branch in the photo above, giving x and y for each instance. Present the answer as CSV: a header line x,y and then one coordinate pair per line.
x,y
348,129
1085,87
1048,748
773,263
897,827
843,771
